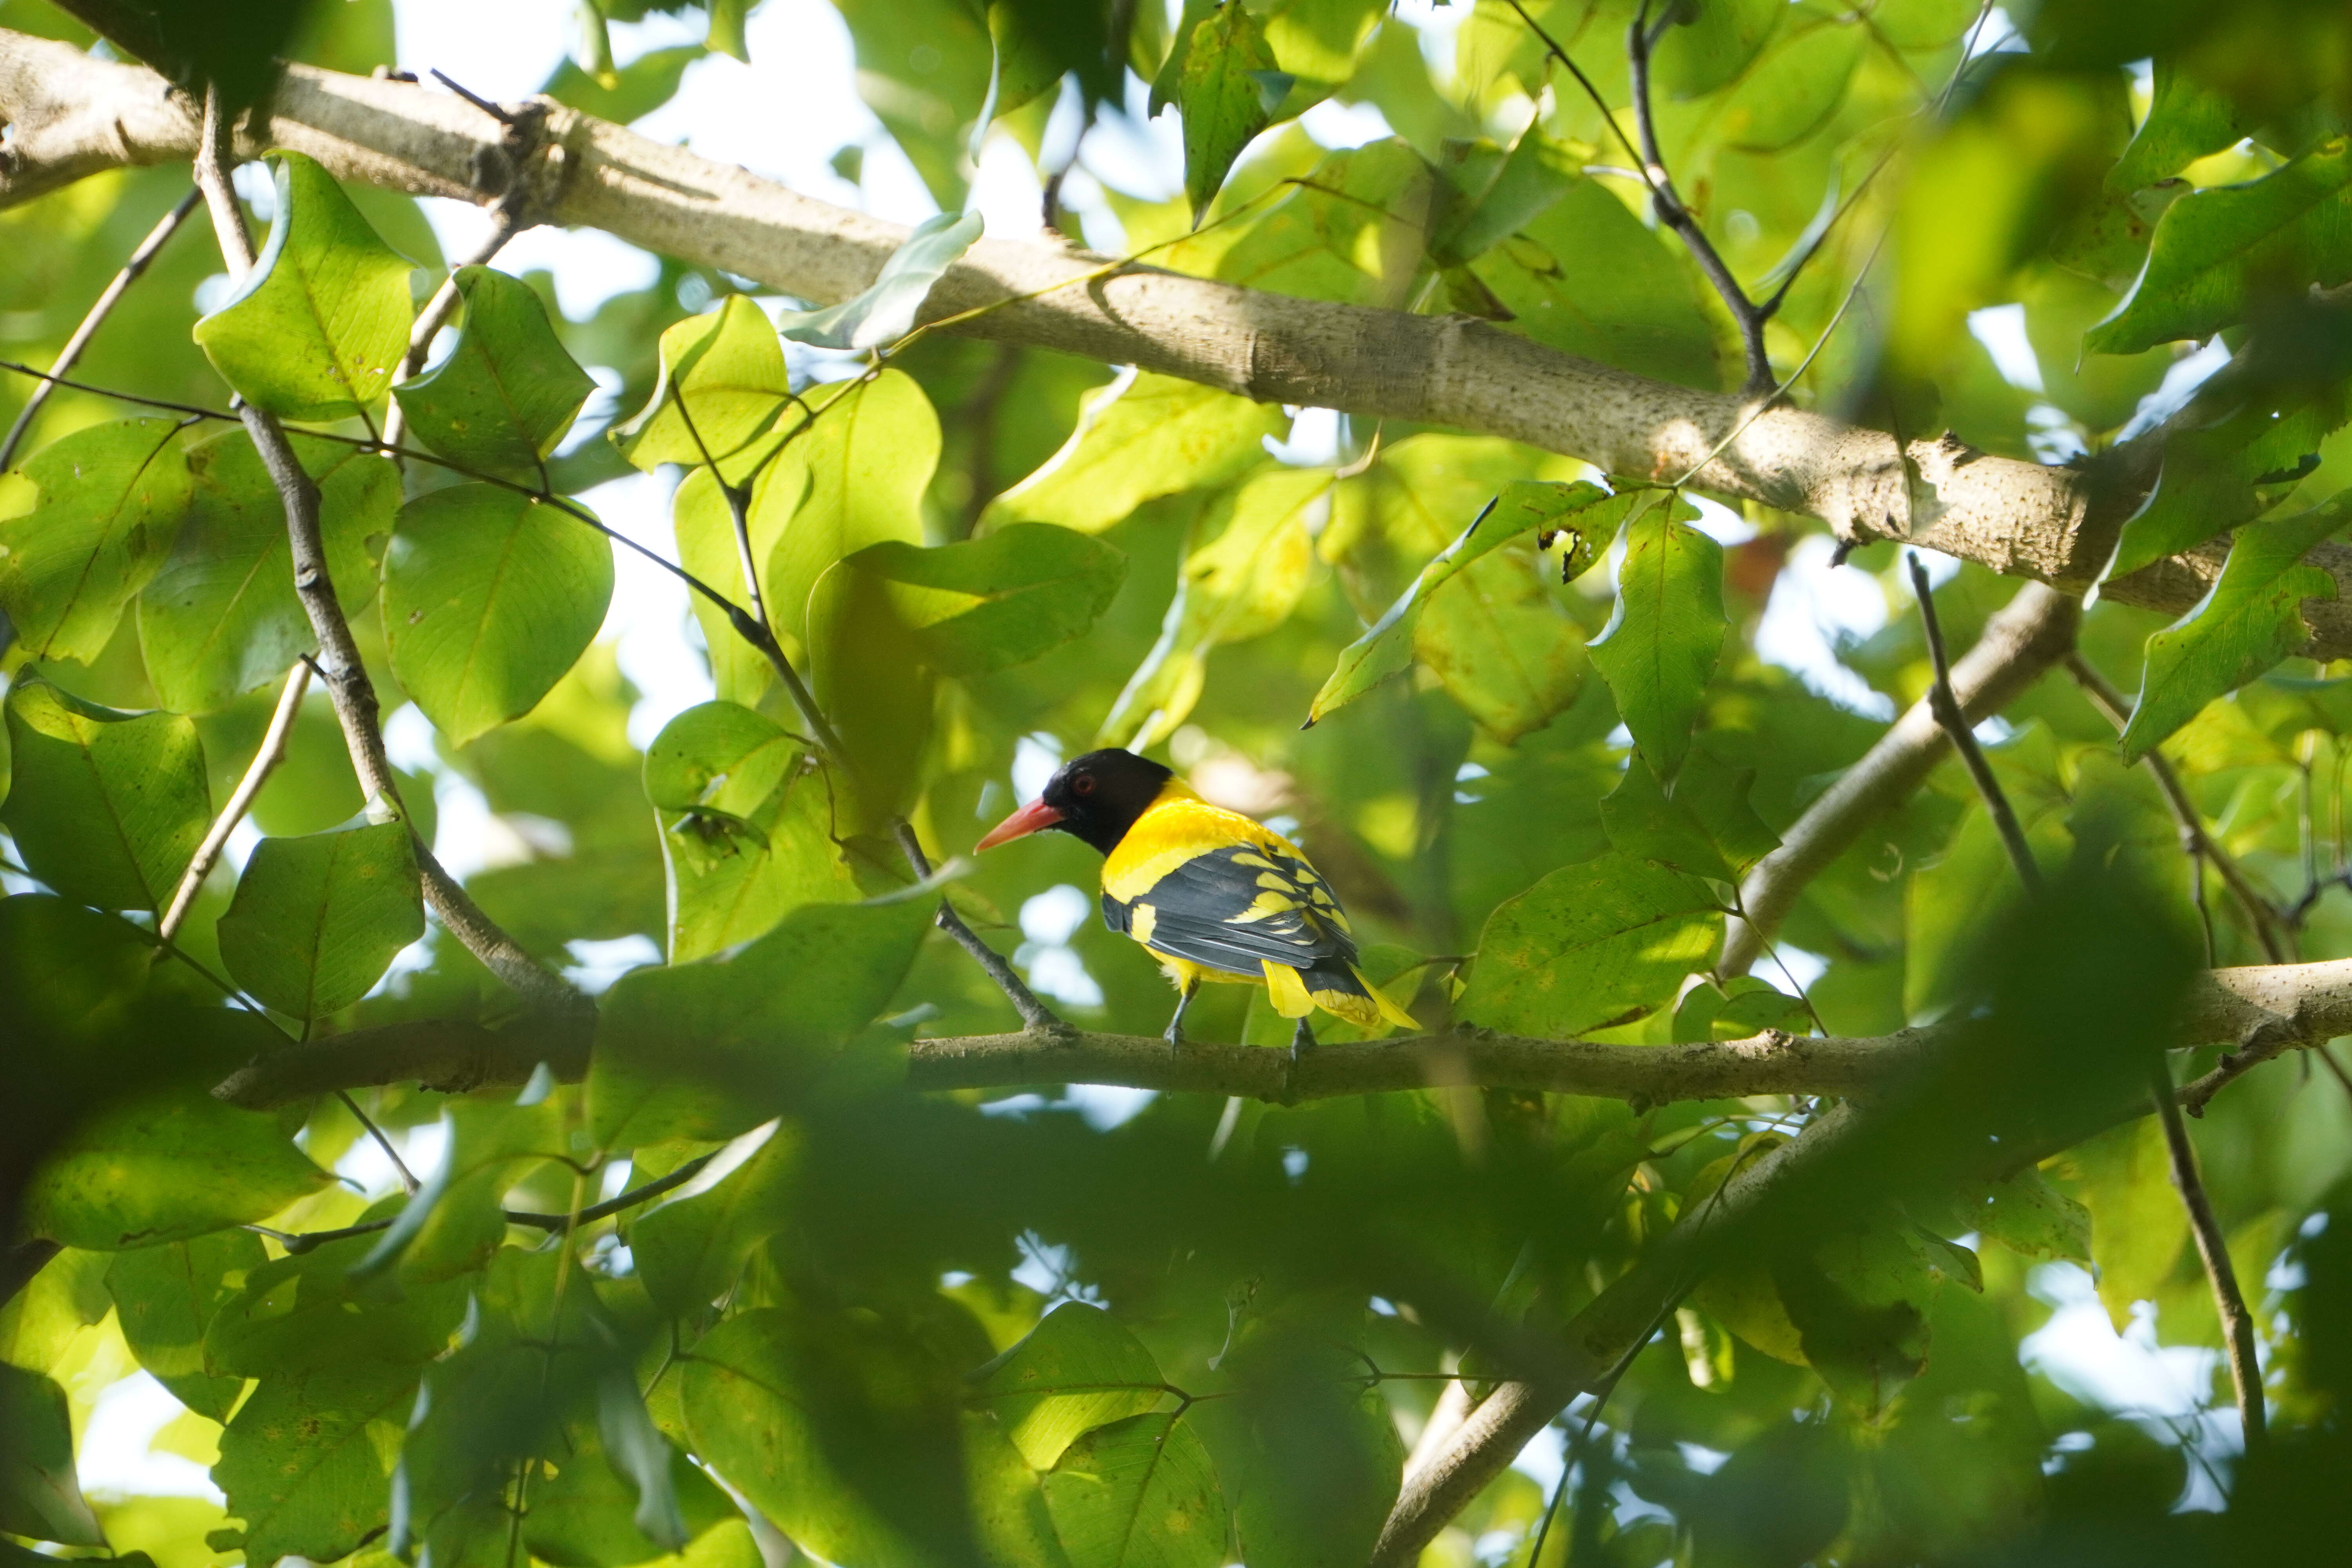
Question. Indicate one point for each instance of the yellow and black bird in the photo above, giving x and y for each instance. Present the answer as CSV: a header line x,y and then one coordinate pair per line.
x,y
1208,892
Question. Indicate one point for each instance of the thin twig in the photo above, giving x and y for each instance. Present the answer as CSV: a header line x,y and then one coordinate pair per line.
x,y
164,228
2260,915
399,1165
257,773
2237,1322
340,662
1947,709
306,1241
1745,313
1035,1016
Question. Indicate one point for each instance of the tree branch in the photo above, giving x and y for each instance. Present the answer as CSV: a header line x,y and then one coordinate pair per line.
x,y
74,115
445,1054
340,664
2213,1248
2033,631
165,227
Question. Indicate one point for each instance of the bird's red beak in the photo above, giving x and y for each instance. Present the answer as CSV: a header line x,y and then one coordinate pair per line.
x,y
1027,820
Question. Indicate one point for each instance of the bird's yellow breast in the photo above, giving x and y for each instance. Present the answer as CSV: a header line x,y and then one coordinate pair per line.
x,y
1179,827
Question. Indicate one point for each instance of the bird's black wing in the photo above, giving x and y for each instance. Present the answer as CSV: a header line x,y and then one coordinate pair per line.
x,y
1233,909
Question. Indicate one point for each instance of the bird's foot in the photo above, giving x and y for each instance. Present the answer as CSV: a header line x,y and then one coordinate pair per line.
x,y
1302,1039
1174,1034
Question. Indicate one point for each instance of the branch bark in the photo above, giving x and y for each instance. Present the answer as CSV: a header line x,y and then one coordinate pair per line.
x,y
2033,631
339,662
73,115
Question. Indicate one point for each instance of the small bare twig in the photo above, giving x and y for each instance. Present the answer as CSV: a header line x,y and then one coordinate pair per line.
x,y
257,773
1947,709
400,1166
339,663
1035,1016
296,1242
165,229
2212,1247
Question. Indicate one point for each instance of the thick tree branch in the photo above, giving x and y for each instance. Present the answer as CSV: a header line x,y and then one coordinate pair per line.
x,y
445,1054
74,115
339,662
2033,631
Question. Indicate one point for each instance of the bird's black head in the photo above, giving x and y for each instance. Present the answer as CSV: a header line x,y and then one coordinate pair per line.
x,y
1095,797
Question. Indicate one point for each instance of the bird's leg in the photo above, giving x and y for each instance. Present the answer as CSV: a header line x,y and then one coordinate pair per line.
x,y
1174,1032
1302,1039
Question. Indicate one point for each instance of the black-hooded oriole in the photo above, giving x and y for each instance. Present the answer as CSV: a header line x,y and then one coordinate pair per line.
x,y
1208,892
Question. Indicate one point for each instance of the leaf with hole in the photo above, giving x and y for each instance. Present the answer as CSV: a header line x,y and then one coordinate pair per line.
x,y
319,325
507,392
489,597
112,500
317,920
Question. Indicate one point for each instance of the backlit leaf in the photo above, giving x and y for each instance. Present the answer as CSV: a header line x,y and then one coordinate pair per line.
x,y
489,597
39,1496
306,1460
317,920
1137,438
320,324
2250,620
1078,1369
1662,645
106,807
885,309
507,392
722,385
166,1296
1138,1493
112,497
1230,87
1003,599
1590,945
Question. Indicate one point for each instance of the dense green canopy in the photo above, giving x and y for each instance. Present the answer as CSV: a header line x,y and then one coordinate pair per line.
x,y
1795,1119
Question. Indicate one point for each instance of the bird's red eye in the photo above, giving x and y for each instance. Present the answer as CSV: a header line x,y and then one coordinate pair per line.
x,y
1083,784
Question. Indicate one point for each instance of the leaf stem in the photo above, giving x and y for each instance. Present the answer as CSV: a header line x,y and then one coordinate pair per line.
x,y
265,761
1947,709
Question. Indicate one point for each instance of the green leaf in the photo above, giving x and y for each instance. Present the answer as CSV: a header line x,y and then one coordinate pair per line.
x,y
1586,278
727,368
1712,42
704,528
1138,1493
2033,1219
1078,1369
865,671
454,1222
1142,436
507,392
1354,230
1308,1451
2219,474
1590,945
713,1049
165,1297
319,325
1706,828
316,921
2247,621
1227,95
746,827
983,605
1498,194
305,1314
2186,121
1500,647
691,1250
868,455
2137,1226
585,1514
884,310
222,617
164,1167
106,807
635,91
2214,250
1741,1009
305,1462
1662,643
39,1496
1524,506
1242,584
838,1428
111,497
488,598
642,1455
1795,86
